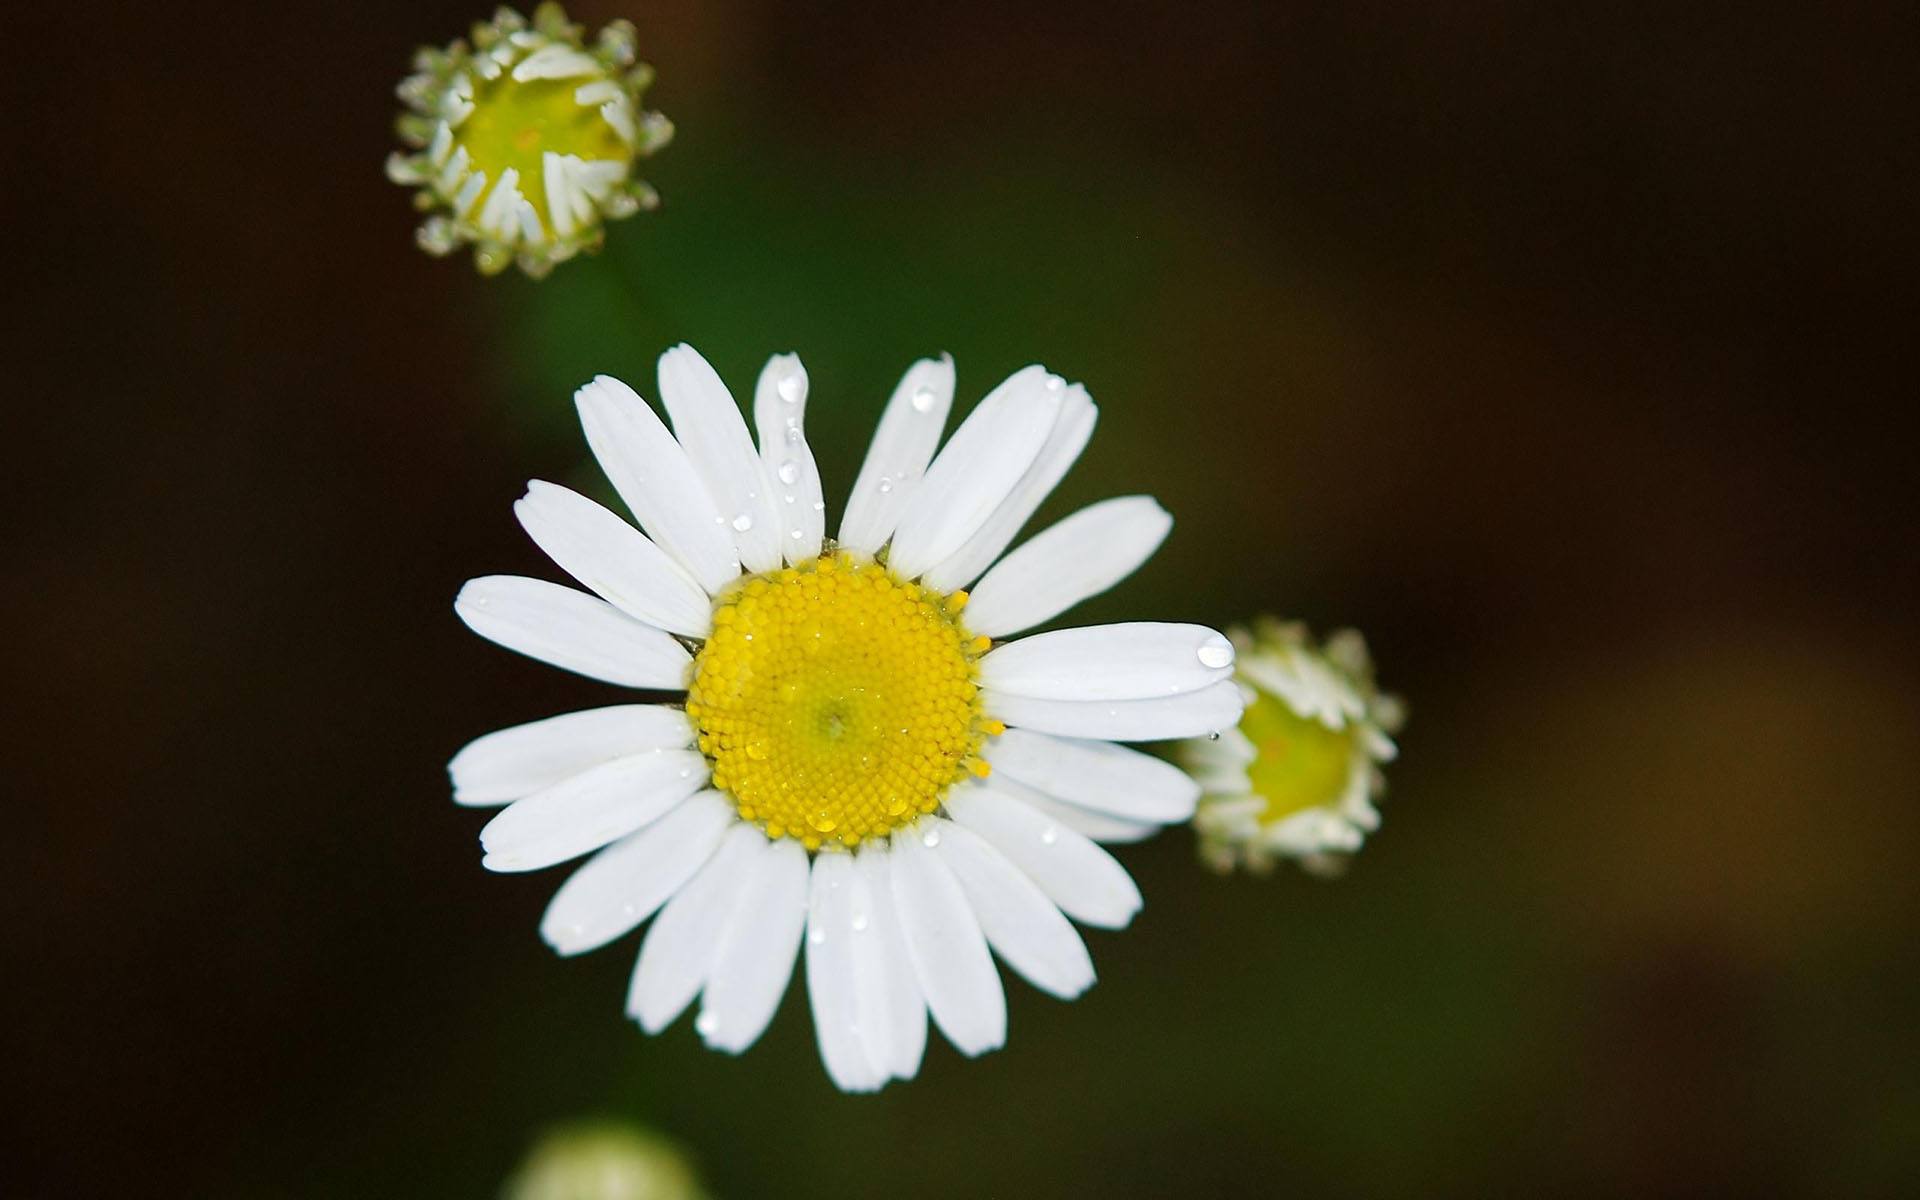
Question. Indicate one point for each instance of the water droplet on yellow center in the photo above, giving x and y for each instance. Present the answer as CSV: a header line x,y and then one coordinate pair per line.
x,y
836,701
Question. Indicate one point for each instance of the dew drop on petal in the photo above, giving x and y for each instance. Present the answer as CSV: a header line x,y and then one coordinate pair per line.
x,y
743,522
707,1024
817,936
886,484
859,922
930,838
923,400
789,471
791,387
1049,836
1216,652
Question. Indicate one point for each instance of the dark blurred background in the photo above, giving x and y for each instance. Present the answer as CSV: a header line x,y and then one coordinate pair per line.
x,y
1566,353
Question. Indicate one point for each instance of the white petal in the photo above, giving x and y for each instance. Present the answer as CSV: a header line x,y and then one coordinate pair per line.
x,y
975,471
1068,438
1077,875
1192,714
709,425
949,952
1097,775
754,960
1101,827
571,630
619,114
554,61
830,976
590,95
779,417
510,763
560,189
902,446
613,558
590,809
678,952
905,1036
500,214
657,481
878,967
1067,562
620,887
1018,919
1139,660
598,177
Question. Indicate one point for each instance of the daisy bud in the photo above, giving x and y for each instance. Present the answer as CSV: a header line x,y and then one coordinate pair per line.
x,y
1298,776
604,1162
523,142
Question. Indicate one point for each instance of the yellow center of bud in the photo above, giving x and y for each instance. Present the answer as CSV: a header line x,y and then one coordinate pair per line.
x,y
836,701
514,124
1300,763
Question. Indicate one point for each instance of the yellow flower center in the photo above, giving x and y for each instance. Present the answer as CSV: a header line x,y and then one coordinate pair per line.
x,y
837,702
1300,763
514,124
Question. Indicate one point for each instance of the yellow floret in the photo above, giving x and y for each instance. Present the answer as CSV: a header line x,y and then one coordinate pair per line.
x,y
838,702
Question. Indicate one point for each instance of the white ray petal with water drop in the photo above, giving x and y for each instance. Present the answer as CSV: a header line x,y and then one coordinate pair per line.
x,y
1095,774
586,811
779,418
510,763
615,560
1104,828
571,630
655,478
902,447
1019,921
1067,562
949,952
975,471
830,976
1138,660
1084,880
754,960
1191,714
1071,430
709,426
622,885
905,1038
680,945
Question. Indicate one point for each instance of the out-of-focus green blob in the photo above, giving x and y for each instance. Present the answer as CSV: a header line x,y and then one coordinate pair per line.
x,y
604,1161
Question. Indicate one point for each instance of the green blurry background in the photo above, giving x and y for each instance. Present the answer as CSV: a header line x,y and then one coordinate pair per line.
x,y
1567,354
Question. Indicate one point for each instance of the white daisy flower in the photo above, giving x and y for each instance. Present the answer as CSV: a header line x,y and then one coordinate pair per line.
x,y
1298,776
858,765
523,143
